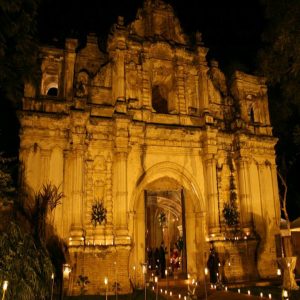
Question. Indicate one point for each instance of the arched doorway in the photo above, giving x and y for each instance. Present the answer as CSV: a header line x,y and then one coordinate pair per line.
x,y
165,229
174,181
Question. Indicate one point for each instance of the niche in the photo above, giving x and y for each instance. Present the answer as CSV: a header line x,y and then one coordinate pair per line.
x,y
159,99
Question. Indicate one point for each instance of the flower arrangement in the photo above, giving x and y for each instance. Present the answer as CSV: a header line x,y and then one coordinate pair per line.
x,y
230,210
98,214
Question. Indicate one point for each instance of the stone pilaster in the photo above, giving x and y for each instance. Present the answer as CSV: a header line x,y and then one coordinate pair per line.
x,y
108,199
89,201
45,165
266,226
203,88
212,194
201,245
120,179
121,193
146,89
209,141
202,75
76,231
67,189
180,91
118,77
276,193
70,57
244,192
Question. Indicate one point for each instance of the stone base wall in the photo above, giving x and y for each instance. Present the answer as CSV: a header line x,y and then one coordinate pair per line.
x,y
238,260
97,263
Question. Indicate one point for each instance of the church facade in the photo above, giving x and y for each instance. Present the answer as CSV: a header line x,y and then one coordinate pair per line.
x,y
145,134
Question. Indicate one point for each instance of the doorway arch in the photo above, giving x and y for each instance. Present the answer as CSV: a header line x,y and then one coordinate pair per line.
x,y
170,176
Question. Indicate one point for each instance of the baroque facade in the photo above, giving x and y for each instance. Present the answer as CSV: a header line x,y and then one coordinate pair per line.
x,y
150,117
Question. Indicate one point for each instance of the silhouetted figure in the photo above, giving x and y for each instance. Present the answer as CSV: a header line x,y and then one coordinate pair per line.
x,y
213,265
162,260
156,261
150,258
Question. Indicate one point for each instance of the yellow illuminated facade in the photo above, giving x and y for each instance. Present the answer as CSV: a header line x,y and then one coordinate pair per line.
x,y
146,128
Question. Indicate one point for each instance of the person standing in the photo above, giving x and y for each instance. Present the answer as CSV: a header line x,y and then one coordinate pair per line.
x,y
213,265
162,260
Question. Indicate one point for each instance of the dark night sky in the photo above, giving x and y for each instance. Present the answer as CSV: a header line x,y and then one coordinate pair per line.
x,y
231,29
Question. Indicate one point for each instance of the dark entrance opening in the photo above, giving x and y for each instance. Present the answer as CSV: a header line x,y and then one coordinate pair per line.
x,y
159,99
165,229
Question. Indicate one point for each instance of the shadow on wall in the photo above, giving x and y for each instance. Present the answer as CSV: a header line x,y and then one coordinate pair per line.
x,y
249,255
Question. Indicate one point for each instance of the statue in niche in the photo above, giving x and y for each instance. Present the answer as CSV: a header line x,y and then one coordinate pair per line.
x,y
81,85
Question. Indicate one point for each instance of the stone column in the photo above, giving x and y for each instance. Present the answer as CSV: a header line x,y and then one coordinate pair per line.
x,y
244,192
77,196
109,201
121,192
45,166
118,75
67,190
180,91
202,74
212,194
265,225
146,88
201,246
120,178
203,89
288,265
276,193
70,57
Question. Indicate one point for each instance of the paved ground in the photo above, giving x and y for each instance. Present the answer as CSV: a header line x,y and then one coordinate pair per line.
x,y
221,295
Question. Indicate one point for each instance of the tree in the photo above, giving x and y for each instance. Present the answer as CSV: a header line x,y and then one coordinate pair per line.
x,y
25,260
27,267
18,46
7,188
280,63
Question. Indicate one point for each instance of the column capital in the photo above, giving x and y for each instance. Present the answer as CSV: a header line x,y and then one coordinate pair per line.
x,y
45,152
210,158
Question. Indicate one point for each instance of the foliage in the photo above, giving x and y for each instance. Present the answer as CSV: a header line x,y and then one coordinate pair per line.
x,y
98,214
280,63
83,281
231,214
27,268
45,201
7,189
230,210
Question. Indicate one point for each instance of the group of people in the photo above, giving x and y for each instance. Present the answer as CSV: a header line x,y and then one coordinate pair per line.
x,y
157,260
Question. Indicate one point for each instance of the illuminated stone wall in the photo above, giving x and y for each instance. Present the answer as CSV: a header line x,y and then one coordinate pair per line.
x,y
100,138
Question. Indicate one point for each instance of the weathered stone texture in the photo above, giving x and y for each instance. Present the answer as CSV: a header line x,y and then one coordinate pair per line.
x,y
107,126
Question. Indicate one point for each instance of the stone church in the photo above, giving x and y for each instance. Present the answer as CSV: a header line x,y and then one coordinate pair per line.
x,y
151,143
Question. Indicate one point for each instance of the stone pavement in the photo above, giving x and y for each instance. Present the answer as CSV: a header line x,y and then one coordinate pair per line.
x,y
222,295
179,287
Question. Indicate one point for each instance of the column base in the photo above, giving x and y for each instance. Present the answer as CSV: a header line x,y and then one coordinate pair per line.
x,y
76,236
288,265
